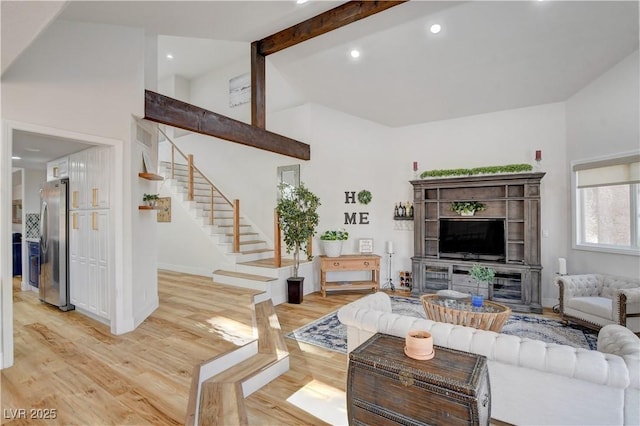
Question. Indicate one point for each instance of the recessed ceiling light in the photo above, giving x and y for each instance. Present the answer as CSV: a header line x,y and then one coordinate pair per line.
x,y
15,157
301,1
435,28
169,56
355,53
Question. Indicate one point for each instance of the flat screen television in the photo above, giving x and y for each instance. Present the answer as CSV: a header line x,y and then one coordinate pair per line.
x,y
472,239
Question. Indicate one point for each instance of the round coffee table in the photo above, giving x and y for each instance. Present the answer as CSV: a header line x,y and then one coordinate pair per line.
x,y
490,316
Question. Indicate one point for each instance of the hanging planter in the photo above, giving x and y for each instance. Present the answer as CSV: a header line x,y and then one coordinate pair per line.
x,y
467,208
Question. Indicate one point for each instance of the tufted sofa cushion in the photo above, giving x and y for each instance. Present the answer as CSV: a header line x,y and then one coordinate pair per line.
x,y
600,306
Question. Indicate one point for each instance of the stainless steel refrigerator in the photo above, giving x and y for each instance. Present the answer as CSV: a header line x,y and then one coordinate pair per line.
x,y
54,249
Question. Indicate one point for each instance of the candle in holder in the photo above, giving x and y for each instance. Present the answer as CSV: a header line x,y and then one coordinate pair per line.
x,y
538,155
562,266
415,166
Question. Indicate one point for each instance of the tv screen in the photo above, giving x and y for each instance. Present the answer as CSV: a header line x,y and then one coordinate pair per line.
x,y
471,239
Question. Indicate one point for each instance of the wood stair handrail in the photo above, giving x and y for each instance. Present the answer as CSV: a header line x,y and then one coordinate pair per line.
x,y
190,189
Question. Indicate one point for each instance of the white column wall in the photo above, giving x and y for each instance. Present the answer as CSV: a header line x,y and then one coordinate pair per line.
x,y
602,119
84,81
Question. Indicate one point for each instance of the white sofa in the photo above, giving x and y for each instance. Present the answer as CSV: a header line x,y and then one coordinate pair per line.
x,y
532,382
596,300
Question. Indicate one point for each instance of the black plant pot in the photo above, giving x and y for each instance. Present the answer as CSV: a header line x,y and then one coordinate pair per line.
x,y
294,289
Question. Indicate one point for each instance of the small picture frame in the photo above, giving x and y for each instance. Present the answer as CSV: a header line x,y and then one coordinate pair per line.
x,y
365,245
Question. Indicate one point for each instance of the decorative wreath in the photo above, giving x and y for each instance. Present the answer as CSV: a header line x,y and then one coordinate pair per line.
x,y
364,197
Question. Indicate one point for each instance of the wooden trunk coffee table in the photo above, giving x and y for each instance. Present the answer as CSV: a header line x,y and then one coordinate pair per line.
x,y
490,316
386,387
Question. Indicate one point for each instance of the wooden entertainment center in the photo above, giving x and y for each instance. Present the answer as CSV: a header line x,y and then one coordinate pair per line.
x,y
512,199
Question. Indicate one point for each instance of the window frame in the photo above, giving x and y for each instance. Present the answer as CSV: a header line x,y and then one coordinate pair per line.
x,y
576,212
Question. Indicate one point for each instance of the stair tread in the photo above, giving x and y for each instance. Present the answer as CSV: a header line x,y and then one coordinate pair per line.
x,y
247,368
235,274
255,251
222,404
252,242
268,263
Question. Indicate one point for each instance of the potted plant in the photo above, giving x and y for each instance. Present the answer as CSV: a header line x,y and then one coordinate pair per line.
x,y
481,274
332,242
467,208
298,219
151,199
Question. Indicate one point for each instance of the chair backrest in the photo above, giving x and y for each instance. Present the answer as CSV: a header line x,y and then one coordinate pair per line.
x,y
611,283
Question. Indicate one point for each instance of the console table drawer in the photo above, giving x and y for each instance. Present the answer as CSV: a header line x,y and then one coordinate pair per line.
x,y
350,264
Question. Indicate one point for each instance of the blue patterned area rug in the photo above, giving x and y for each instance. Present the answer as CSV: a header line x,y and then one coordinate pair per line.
x,y
329,333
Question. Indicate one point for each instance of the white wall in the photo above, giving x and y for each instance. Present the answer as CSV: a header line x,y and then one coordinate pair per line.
x,y
351,154
85,81
603,118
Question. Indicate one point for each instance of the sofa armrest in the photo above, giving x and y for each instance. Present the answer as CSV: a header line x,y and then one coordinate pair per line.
x,y
632,294
626,302
618,340
570,286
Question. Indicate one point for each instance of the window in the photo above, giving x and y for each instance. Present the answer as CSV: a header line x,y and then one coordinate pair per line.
x,y
608,204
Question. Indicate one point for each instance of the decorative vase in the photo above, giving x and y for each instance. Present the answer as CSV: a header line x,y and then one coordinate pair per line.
x,y
419,345
332,248
467,212
477,300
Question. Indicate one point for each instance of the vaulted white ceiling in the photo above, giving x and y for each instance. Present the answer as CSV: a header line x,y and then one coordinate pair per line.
x,y
489,56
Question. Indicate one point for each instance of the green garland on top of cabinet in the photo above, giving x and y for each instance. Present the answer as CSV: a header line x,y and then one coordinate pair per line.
x,y
508,168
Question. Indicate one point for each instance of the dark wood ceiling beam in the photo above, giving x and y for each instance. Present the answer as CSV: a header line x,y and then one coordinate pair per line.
x,y
258,88
173,112
321,24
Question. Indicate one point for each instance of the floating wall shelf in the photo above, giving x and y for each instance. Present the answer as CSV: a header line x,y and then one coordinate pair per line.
x,y
150,176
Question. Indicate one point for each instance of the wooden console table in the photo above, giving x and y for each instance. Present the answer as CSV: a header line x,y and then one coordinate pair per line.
x,y
350,262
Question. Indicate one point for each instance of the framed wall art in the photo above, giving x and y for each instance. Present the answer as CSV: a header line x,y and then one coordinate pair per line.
x,y
365,245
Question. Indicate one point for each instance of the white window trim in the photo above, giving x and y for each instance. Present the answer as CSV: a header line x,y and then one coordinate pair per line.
x,y
575,219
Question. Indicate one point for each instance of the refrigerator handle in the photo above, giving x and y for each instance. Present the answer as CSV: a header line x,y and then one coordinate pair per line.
x,y
44,211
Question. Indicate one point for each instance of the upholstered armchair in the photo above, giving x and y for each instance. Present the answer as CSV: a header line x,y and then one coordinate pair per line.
x,y
595,300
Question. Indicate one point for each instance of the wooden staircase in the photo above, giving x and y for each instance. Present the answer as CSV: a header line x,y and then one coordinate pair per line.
x,y
253,265
220,385
219,225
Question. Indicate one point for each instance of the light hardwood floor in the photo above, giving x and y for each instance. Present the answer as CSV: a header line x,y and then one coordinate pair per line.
x,y
70,363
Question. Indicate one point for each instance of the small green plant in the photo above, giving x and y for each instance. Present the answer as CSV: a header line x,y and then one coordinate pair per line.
x,y
467,207
150,197
481,274
364,197
338,235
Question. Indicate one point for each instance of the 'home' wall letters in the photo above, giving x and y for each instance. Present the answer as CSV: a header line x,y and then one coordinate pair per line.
x,y
350,217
